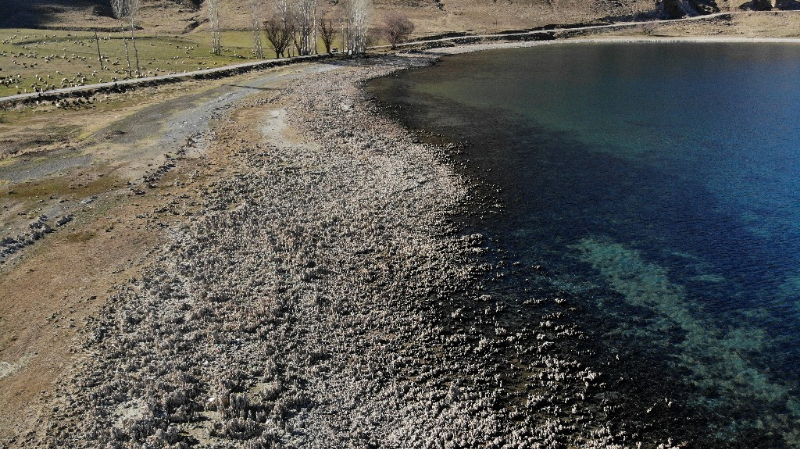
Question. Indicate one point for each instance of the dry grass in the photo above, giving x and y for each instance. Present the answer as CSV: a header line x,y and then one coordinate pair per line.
x,y
750,24
738,24
175,39
35,60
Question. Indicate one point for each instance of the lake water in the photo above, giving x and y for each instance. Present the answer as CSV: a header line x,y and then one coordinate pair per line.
x,y
659,186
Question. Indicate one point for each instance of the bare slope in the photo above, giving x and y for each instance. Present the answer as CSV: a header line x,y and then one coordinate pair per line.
x,y
430,16
171,16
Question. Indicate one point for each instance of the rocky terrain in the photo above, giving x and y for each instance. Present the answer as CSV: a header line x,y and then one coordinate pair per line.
x,y
269,261
321,295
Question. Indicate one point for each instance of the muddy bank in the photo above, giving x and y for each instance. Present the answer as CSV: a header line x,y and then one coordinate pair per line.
x,y
322,296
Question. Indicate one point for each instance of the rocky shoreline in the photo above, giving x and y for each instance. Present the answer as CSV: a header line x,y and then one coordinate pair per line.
x,y
323,296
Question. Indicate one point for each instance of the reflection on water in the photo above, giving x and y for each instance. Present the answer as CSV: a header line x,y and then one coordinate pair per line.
x,y
660,184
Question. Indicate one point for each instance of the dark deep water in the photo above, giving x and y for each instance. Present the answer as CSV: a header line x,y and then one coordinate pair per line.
x,y
659,184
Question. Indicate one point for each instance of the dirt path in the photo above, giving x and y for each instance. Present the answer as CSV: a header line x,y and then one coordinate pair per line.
x,y
83,216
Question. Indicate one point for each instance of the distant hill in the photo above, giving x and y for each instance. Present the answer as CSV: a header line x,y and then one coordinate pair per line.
x,y
88,13
430,16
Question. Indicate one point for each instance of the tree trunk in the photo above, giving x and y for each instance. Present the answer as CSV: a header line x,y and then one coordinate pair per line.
x,y
135,50
315,29
127,56
213,12
99,55
259,47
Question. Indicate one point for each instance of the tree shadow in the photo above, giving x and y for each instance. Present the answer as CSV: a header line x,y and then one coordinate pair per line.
x,y
38,13
789,5
244,86
756,5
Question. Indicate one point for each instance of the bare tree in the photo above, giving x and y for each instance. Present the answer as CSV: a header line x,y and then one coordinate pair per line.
x,y
134,9
119,8
213,16
306,20
255,7
99,55
357,22
314,28
296,41
128,8
396,28
345,32
279,33
127,56
327,31
648,28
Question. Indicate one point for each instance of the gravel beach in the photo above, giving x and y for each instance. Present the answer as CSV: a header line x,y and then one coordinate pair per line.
x,y
321,294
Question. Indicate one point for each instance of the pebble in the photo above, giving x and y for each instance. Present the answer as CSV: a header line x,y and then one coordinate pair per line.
x,y
321,298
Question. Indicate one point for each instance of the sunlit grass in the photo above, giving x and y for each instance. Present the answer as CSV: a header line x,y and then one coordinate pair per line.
x,y
37,60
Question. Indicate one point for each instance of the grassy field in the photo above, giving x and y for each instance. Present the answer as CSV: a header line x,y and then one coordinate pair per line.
x,y
40,60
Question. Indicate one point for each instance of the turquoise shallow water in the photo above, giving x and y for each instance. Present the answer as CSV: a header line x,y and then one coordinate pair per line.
x,y
660,184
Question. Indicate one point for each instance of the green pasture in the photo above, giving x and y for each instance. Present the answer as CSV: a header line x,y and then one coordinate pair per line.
x,y
36,60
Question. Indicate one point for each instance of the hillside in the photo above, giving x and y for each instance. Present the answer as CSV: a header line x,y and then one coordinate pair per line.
x,y
431,16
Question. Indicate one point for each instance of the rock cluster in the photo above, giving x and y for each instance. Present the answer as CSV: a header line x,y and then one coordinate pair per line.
x,y
323,297
37,229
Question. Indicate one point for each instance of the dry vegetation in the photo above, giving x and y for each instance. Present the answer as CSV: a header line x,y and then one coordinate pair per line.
x,y
37,60
747,24
174,37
